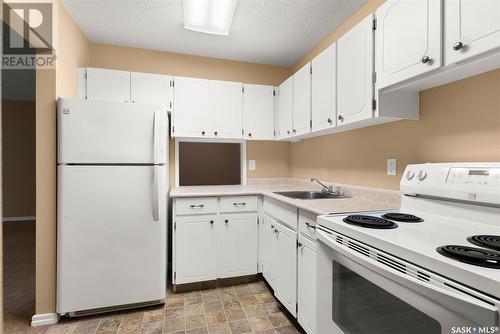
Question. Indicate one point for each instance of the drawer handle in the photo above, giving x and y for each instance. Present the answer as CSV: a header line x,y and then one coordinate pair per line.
x,y
199,206
239,204
311,226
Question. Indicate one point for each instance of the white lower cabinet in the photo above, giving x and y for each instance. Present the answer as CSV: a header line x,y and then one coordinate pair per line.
x,y
268,249
195,248
286,268
306,284
237,250
210,244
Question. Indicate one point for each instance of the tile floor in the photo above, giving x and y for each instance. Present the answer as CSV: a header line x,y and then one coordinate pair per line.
x,y
235,309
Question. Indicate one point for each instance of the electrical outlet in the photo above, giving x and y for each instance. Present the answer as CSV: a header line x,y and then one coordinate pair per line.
x,y
251,164
391,166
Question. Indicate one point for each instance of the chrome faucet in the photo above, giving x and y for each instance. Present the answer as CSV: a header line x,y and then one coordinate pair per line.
x,y
326,188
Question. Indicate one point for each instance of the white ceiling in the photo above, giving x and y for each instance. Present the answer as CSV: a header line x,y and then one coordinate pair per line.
x,y
278,32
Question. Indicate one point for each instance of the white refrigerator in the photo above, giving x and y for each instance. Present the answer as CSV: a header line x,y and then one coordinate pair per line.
x,y
112,205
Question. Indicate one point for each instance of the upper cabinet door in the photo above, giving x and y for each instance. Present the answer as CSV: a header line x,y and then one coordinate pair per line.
x,y
472,27
108,85
191,115
152,88
355,73
302,100
285,111
258,112
323,89
408,39
226,105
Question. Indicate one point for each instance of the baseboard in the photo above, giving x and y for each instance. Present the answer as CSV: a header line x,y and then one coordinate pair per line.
x,y
44,319
20,218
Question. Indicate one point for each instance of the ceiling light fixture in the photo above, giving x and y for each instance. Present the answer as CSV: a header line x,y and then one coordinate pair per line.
x,y
209,16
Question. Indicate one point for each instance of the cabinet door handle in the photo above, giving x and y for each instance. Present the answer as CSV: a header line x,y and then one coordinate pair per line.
x,y
249,134
197,206
276,231
311,226
215,133
329,121
226,221
426,59
294,131
341,118
211,222
239,204
458,45
202,133
287,132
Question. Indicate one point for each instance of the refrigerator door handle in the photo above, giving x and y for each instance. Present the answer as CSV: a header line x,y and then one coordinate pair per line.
x,y
156,194
156,123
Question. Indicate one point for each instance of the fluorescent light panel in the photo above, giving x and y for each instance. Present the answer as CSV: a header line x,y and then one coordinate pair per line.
x,y
209,16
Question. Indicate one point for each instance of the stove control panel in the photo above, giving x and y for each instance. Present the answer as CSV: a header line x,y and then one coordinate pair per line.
x,y
485,177
473,182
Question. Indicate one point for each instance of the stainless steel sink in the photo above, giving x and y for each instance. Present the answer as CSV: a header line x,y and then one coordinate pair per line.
x,y
309,194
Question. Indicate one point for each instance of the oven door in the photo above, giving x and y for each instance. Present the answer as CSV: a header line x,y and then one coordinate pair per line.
x,y
358,294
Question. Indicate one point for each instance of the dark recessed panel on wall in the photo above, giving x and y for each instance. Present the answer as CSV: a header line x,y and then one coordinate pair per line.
x,y
202,164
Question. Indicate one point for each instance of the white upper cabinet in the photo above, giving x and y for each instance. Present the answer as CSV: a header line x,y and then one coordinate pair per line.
x,y
285,111
323,89
355,73
471,27
226,108
408,39
191,115
152,88
258,112
302,100
108,85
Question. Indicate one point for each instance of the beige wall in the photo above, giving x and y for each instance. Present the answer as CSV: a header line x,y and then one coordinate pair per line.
x,y
73,50
272,158
18,155
458,122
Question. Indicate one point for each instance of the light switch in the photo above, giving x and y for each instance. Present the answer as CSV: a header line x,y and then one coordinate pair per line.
x,y
391,166
251,164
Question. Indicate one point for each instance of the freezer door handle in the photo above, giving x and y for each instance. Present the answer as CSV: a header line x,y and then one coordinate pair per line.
x,y
156,193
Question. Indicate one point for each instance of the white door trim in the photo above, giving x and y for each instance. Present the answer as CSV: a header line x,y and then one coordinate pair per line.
x,y
44,319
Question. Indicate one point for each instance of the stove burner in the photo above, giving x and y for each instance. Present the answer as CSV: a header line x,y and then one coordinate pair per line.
x,y
402,217
488,241
370,222
472,255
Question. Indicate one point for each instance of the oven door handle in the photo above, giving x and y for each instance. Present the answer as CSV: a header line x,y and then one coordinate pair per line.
x,y
468,306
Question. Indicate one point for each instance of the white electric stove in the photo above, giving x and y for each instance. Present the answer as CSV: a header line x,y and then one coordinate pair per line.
x,y
431,267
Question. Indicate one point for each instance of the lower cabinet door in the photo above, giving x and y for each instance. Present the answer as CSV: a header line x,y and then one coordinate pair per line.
x,y
268,249
237,249
195,248
306,298
286,268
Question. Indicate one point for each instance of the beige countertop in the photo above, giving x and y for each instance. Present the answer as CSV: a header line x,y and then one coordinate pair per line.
x,y
361,198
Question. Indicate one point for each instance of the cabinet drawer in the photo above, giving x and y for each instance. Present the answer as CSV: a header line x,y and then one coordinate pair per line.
x,y
283,212
195,206
238,203
307,224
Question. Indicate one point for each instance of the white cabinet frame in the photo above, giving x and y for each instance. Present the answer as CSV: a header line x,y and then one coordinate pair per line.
x,y
243,155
